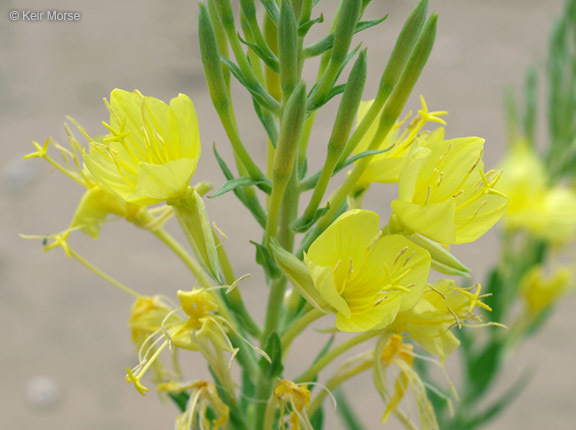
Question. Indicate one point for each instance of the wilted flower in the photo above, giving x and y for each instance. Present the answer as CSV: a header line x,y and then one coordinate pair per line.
x,y
444,193
203,398
199,329
366,277
401,355
152,149
298,397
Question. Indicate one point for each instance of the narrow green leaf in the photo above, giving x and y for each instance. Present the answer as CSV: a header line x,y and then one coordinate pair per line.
x,y
265,55
273,348
317,420
255,92
301,225
326,44
264,259
232,184
305,27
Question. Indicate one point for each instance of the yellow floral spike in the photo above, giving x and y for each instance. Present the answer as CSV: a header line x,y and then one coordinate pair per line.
x,y
366,278
443,306
541,292
444,193
152,149
203,395
548,213
386,167
298,397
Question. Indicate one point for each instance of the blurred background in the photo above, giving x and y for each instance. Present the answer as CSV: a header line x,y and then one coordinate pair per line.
x,y
64,338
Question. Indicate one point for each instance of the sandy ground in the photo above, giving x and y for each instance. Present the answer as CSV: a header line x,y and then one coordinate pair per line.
x,y
65,345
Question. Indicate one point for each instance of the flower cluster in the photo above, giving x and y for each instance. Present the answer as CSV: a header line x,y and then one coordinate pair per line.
x,y
373,276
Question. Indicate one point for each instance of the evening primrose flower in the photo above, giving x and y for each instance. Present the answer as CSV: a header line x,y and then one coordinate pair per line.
x,y
548,213
298,397
386,167
152,149
203,397
98,202
443,305
366,277
540,292
444,193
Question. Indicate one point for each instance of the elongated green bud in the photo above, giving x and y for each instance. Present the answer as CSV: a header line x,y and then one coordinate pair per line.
x,y
298,274
340,132
416,62
285,155
288,49
211,60
400,54
402,49
191,215
290,128
348,106
349,14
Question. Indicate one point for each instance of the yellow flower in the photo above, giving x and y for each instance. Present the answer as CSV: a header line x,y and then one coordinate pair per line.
x,y
540,292
203,397
366,277
443,306
545,212
98,201
152,149
444,193
199,329
298,397
401,355
386,167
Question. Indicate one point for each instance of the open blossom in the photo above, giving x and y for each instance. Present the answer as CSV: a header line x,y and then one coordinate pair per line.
x,y
443,306
386,167
152,149
547,212
444,193
366,277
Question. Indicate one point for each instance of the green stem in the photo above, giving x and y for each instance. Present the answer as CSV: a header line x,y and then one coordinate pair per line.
x,y
102,274
313,371
194,267
298,327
